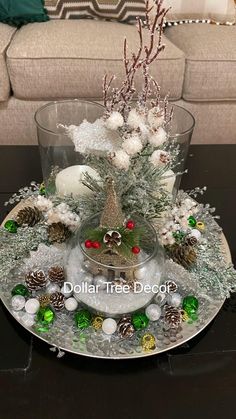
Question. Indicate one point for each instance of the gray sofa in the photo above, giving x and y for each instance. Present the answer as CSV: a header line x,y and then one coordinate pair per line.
x,y
68,58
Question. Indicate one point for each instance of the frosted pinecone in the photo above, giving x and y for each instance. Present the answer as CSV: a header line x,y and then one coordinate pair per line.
x,y
58,233
35,280
57,300
29,216
56,274
172,316
125,328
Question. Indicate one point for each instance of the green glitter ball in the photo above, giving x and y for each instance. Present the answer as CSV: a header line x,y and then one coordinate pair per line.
x,y
45,316
178,235
139,321
83,319
192,221
190,305
11,226
20,289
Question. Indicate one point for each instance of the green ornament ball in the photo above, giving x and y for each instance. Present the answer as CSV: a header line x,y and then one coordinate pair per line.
x,y
190,305
139,321
11,226
83,319
20,289
192,221
45,316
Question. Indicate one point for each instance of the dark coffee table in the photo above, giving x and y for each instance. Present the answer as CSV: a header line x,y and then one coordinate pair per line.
x,y
195,380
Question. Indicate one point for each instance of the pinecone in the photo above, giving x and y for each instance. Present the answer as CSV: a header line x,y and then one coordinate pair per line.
x,y
29,216
57,300
44,300
172,316
58,233
35,280
171,286
56,274
125,328
182,254
191,240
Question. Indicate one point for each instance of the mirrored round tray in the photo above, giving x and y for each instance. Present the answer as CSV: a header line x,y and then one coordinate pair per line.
x,y
94,343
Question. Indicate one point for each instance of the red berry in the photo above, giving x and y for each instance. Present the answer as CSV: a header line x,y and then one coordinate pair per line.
x,y
88,244
130,224
135,250
96,245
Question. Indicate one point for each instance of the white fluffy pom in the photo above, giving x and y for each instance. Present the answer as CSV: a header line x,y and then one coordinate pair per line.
x,y
43,204
159,157
132,144
158,138
135,119
156,117
115,121
121,160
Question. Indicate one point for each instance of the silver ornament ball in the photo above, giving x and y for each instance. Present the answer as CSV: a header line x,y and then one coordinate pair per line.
x,y
18,302
71,304
109,326
153,312
32,306
66,290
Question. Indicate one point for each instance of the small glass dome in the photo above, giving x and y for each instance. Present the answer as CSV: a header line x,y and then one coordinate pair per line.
x,y
115,271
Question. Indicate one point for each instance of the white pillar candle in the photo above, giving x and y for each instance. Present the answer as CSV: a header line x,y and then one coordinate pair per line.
x,y
69,180
169,179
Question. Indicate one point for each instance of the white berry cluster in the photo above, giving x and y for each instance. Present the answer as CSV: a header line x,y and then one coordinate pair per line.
x,y
143,127
177,220
60,213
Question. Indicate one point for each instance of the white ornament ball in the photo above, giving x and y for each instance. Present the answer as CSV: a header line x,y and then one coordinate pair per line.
x,y
115,121
88,278
175,299
140,273
195,233
32,306
109,326
51,288
132,145
66,290
71,304
101,281
18,302
153,312
28,319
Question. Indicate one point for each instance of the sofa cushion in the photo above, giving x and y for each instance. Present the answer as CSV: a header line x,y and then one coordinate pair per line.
x,y
210,51
68,58
6,33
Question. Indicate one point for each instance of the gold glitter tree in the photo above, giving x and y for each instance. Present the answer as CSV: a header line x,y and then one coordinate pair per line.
x,y
112,216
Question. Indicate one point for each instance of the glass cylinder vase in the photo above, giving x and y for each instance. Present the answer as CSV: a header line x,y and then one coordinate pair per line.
x,y
180,130
57,150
